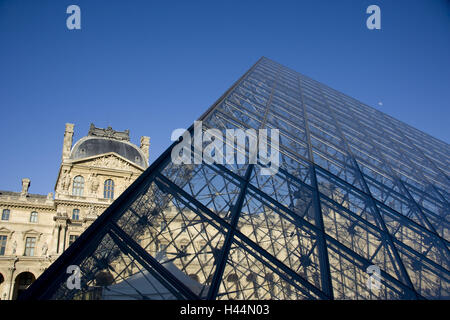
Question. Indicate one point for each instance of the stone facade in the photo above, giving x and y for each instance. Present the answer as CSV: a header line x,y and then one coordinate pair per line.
x,y
36,229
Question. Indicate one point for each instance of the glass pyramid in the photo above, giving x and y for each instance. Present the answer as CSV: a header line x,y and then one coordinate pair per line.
x,y
358,209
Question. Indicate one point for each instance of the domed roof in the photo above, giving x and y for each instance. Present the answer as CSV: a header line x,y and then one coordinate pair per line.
x,y
97,143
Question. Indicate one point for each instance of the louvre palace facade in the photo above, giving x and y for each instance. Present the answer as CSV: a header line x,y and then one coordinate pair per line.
x,y
35,229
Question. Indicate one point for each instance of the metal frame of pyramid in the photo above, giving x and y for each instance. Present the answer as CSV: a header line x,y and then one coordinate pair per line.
x,y
356,189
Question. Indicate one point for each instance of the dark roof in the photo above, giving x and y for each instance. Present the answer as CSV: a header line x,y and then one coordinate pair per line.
x,y
91,146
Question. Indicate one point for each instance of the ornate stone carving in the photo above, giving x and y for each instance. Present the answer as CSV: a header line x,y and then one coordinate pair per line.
x,y
111,162
61,218
44,249
92,214
14,247
92,211
64,181
109,133
93,183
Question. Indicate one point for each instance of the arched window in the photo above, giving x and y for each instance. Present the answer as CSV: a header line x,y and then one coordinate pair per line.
x,y
34,217
76,214
78,186
23,281
5,214
108,191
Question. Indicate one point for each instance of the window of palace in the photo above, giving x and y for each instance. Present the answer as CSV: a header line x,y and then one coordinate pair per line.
x,y
34,217
30,245
108,191
72,239
76,214
3,245
78,186
5,214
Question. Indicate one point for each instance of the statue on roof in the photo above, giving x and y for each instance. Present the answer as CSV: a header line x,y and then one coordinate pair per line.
x,y
109,133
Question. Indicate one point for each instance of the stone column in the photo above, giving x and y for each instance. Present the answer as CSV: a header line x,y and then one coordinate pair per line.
x,y
145,146
68,139
11,270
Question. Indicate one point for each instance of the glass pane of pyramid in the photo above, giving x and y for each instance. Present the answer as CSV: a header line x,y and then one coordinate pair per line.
x,y
356,208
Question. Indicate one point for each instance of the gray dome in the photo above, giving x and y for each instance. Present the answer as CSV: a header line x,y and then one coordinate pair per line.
x,y
91,146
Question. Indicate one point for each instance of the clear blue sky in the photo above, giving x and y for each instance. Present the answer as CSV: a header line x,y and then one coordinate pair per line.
x,y
153,66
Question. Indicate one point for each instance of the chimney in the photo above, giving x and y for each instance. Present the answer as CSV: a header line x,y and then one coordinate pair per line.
x,y
68,135
145,145
25,186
